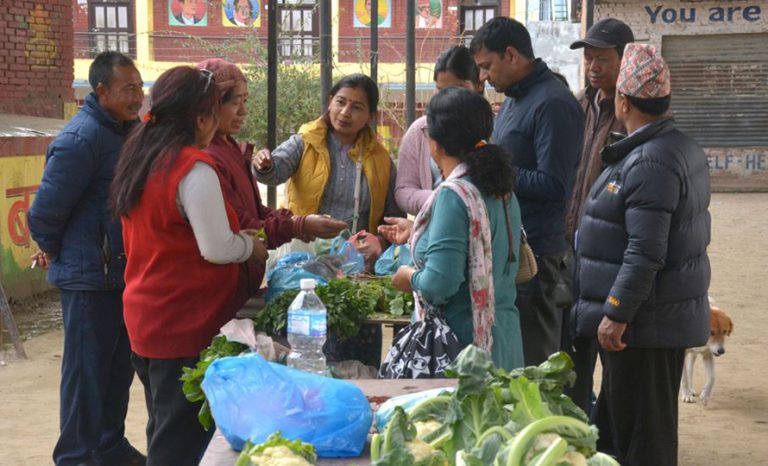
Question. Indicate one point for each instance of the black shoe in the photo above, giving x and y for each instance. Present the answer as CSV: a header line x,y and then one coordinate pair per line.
x,y
128,457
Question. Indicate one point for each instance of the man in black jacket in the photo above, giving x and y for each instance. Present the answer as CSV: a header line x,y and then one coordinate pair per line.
x,y
644,270
541,125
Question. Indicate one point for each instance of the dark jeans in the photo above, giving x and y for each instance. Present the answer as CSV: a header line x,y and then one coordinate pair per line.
x,y
636,411
96,376
174,435
541,321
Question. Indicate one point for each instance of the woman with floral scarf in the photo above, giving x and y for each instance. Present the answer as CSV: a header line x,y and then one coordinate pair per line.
x,y
466,238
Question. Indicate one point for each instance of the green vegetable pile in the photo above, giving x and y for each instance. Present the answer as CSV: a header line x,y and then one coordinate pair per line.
x,y
348,302
193,377
520,418
277,451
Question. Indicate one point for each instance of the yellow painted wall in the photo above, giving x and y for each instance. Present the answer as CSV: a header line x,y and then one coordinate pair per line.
x,y
19,179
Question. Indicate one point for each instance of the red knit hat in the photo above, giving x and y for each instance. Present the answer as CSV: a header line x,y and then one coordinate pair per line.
x,y
644,73
225,73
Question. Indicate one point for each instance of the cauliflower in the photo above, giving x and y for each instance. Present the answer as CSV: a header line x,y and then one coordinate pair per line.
x,y
278,456
424,428
277,451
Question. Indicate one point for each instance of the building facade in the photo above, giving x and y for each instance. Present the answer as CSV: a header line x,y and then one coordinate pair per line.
x,y
718,60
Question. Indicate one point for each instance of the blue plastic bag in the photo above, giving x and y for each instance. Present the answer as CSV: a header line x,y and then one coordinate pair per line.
x,y
288,272
354,262
251,398
394,256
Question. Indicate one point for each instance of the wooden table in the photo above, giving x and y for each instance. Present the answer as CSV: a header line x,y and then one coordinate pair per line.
x,y
220,454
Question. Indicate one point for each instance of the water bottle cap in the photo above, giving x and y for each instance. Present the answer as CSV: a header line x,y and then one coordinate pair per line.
x,y
307,283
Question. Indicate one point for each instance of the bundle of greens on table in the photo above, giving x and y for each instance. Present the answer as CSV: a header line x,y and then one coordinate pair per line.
x,y
349,302
520,418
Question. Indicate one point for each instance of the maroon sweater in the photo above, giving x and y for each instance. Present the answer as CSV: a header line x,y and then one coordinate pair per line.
x,y
233,161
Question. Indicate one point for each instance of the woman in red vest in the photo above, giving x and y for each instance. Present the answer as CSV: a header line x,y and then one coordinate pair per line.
x,y
183,244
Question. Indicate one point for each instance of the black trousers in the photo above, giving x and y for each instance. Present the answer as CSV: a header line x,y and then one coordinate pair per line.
x,y
541,321
584,354
174,435
636,411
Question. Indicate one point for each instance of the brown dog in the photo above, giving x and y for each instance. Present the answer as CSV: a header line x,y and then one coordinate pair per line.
x,y
722,326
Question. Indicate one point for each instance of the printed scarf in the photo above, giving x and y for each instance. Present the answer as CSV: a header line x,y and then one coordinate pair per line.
x,y
479,262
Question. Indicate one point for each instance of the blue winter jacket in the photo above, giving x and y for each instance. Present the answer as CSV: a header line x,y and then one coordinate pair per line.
x,y
70,218
541,125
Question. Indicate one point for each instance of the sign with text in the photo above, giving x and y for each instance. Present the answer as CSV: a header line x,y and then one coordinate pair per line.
x,y
749,13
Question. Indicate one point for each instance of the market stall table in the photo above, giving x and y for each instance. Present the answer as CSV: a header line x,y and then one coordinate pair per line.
x,y
220,454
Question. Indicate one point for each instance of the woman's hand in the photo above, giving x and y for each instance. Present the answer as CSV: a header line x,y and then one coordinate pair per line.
x,y
320,226
397,231
262,160
260,252
366,244
401,280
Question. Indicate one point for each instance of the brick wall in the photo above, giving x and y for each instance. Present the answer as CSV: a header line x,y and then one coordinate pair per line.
x,y
36,61
650,21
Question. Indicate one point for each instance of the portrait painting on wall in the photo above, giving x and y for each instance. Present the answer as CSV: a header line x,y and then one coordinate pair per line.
x,y
429,14
237,13
187,13
363,13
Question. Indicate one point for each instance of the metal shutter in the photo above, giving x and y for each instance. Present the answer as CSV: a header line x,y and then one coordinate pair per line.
x,y
720,87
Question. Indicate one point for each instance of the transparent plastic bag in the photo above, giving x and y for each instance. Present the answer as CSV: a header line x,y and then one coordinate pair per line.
x,y
251,398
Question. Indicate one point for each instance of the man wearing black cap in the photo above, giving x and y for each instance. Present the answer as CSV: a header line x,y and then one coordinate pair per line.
x,y
603,48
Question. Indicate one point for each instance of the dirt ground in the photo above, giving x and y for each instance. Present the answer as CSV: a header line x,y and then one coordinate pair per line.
x,y
731,431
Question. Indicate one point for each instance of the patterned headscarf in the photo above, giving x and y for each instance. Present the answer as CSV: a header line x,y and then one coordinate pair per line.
x,y
225,73
644,73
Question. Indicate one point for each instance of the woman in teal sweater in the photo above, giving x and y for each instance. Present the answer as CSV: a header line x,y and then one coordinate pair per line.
x,y
466,238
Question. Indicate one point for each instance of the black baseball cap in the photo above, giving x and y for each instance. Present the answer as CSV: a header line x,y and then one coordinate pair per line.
x,y
606,33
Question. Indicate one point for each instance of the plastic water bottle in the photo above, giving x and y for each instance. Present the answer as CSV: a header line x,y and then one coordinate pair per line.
x,y
307,329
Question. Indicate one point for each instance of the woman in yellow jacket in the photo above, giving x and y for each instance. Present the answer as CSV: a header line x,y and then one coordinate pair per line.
x,y
335,165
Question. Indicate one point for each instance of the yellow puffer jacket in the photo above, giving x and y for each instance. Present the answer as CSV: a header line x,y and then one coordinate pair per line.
x,y
306,186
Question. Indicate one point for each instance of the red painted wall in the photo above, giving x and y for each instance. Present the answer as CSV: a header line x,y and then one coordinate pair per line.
x,y
36,57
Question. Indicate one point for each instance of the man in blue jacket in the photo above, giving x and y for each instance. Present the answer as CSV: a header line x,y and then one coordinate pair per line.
x,y
81,244
541,125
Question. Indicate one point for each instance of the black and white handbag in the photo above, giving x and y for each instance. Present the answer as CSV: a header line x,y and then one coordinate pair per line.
x,y
423,349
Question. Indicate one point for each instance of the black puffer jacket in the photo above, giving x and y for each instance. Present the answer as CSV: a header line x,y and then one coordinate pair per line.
x,y
642,243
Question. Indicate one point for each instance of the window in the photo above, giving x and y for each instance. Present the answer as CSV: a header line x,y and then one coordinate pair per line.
x,y
548,10
473,15
298,29
110,27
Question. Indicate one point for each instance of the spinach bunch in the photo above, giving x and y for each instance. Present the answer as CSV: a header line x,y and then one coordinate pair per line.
x,y
193,376
349,302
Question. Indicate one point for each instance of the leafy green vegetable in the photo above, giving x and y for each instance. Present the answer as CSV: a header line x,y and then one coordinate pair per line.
x,y
398,445
349,302
274,448
193,377
516,418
